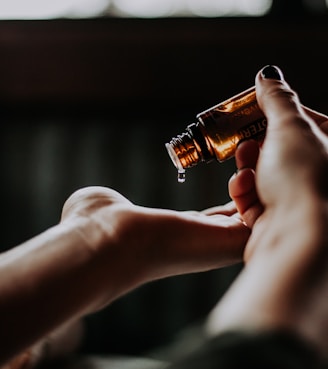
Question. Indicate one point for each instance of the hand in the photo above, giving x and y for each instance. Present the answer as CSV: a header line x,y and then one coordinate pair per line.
x,y
293,159
281,191
104,247
148,244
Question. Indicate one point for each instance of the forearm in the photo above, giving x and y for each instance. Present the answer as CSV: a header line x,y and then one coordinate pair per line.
x,y
63,341
104,247
283,285
55,277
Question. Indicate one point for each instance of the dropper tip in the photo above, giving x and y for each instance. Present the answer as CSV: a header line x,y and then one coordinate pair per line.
x,y
181,176
176,162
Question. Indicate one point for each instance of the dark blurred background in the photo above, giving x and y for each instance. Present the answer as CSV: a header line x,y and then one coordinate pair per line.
x,y
92,101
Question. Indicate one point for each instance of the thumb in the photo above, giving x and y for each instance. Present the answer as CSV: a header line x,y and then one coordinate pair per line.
x,y
293,149
290,130
279,103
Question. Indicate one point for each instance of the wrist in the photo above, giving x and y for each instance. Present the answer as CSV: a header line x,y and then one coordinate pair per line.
x,y
113,239
285,279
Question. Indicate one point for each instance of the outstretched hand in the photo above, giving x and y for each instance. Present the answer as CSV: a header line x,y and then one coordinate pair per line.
x,y
151,243
103,247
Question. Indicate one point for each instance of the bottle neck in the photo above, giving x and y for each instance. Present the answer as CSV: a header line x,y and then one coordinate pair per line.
x,y
189,148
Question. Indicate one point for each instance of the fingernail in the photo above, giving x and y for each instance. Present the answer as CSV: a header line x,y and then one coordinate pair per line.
x,y
272,72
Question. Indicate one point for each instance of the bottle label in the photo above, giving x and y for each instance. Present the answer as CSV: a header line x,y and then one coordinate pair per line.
x,y
254,130
227,125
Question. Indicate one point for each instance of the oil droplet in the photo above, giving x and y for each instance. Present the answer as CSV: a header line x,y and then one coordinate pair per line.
x,y
181,175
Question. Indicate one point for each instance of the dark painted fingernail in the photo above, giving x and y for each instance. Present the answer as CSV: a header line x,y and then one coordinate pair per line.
x,y
272,72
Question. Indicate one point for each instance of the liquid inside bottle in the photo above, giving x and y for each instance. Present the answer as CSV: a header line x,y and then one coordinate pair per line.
x,y
217,132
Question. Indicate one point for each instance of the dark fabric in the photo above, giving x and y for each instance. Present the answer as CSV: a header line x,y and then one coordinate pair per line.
x,y
238,350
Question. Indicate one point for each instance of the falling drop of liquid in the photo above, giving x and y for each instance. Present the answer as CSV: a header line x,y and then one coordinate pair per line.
x,y
181,176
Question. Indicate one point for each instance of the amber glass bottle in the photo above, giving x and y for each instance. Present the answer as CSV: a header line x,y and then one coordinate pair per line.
x,y
218,131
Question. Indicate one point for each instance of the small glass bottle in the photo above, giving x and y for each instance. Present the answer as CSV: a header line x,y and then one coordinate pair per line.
x,y
217,132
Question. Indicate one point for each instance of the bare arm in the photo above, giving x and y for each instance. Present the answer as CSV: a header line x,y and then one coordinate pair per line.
x,y
103,247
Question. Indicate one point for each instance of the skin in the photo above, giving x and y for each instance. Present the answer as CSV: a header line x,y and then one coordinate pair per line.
x,y
103,247
281,191
109,246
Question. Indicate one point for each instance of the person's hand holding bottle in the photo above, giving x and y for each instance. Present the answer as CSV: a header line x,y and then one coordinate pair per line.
x,y
281,191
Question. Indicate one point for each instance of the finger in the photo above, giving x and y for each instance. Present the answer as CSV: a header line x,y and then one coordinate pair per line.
x,y
288,120
227,209
279,103
294,148
242,190
320,119
247,154
282,107
324,127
